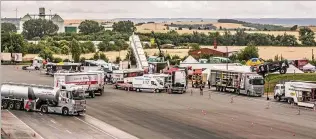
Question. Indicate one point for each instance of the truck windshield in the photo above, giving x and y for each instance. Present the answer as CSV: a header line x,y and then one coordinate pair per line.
x,y
257,81
78,95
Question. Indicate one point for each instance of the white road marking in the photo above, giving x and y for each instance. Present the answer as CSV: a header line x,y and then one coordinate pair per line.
x,y
40,113
38,135
68,131
53,121
96,128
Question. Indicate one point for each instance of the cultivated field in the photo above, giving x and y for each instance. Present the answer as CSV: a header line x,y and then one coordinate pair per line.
x,y
265,52
159,27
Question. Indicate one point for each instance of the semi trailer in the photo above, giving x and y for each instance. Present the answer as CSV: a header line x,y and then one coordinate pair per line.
x,y
90,82
65,99
248,83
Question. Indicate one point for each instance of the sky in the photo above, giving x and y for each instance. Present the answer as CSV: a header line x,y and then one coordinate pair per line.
x,y
163,9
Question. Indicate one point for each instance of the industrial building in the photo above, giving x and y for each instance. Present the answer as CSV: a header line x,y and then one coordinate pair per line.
x,y
56,19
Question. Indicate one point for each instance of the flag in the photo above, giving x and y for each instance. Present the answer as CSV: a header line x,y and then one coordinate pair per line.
x,y
152,41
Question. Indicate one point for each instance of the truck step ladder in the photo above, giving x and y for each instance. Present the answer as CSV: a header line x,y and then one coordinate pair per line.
x,y
138,51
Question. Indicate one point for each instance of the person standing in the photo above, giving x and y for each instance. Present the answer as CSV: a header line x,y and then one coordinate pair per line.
x,y
201,90
209,84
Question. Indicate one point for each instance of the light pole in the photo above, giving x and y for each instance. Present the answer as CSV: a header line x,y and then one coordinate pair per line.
x,y
226,58
268,79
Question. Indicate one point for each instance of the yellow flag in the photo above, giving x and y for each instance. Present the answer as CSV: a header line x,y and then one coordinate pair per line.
x,y
152,41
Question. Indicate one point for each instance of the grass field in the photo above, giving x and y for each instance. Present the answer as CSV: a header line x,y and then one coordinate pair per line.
x,y
273,79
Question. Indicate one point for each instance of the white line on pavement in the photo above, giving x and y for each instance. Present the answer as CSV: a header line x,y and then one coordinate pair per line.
x,y
96,128
38,135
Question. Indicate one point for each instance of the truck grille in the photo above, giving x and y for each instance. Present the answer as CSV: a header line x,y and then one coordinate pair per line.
x,y
258,90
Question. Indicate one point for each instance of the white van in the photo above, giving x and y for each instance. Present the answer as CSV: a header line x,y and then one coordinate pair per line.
x,y
147,83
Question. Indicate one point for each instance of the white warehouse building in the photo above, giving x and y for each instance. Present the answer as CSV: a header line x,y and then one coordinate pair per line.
x,y
56,19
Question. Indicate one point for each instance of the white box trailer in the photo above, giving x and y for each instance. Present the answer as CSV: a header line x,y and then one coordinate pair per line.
x,y
88,81
248,83
101,76
300,93
147,83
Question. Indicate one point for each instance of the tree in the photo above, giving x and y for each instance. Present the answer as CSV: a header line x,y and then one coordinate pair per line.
x,y
75,50
8,27
195,46
88,46
103,57
248,53
130,56
90,26
307,36
96,56
294,28
46,53
13,43
102,46
117,60
38,28
124,27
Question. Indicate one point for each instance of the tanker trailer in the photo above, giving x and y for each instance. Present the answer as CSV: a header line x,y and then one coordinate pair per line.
x,y
66,99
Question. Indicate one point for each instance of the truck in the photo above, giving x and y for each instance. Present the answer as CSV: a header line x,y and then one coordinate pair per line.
x,y
240,82
37,64
178,80
147,83
270,67
63,67
65,99
296,92
88,81
198,78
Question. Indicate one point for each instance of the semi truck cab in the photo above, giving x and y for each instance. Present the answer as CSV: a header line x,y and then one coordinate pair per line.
x,y
255,85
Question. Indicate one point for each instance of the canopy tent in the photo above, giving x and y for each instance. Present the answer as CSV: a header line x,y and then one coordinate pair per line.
x,y
308,66
190,59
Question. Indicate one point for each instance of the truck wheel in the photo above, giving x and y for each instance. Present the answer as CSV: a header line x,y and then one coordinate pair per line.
x,y
36,68
65,111
11,105
238,92
290,101
5,104
137,90
282,71
44,109
248,93
92,95
278,98
18,105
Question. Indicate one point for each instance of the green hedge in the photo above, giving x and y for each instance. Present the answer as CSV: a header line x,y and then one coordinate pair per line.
x,y
273,79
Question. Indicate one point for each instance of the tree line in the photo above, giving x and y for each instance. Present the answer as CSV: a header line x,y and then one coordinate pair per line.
x,y
51,42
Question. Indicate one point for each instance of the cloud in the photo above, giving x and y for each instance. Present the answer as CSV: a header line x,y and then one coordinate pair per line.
x,y
159,9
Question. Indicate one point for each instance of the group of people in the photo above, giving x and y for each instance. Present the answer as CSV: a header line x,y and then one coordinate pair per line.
x,y
107,78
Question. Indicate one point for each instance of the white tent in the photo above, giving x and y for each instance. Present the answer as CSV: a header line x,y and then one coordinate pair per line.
x,y
190,59
308,67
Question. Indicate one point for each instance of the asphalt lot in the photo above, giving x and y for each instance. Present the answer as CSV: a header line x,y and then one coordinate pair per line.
x,y
176,116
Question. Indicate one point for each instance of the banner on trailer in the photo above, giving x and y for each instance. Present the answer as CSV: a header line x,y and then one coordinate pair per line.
x,y
81,79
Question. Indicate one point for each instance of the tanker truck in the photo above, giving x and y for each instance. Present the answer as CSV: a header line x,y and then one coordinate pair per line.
x,y
66,99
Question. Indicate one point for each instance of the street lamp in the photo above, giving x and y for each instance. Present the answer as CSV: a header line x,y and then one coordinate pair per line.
x,y
268,79
226,58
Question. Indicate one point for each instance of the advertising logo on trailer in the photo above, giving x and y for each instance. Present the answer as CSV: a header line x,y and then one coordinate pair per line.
x,y
81,80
